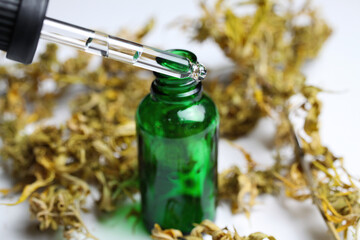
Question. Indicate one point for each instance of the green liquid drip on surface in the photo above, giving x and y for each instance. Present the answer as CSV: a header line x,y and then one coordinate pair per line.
x,y
120,223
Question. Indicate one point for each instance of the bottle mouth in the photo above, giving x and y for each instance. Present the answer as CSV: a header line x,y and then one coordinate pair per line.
x,y
193,70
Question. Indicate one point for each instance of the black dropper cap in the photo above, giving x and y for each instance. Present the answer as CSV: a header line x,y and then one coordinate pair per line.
x,y
21,22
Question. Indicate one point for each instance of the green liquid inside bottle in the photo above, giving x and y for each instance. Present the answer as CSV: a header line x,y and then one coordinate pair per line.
x,y
177,130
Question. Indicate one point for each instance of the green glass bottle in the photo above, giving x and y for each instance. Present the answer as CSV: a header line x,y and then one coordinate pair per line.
x,y
177,130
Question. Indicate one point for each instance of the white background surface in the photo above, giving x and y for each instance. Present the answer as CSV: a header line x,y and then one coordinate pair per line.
x,y
337,69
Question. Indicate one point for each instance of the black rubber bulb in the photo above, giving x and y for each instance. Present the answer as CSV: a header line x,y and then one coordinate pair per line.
x,y
21,22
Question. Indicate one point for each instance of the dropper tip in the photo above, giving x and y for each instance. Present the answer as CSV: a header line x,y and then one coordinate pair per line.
x,y
199,71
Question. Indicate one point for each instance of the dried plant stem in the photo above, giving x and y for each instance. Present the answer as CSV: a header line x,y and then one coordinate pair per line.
x,y
300,158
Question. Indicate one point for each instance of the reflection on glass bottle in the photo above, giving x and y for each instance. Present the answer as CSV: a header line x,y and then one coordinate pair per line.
x,y
177,129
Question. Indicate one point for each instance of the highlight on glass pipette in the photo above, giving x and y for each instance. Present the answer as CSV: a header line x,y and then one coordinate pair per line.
x,y
120,49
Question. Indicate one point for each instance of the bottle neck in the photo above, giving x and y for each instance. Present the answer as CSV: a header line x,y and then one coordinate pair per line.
x,y
175,90
172,90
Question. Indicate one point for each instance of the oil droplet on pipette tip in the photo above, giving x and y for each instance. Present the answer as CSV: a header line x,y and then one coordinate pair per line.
x,y
198,72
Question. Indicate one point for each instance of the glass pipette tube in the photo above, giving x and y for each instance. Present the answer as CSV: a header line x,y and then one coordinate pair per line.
x,y
119,49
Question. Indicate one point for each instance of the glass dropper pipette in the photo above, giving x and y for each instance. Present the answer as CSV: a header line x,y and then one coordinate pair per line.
x,y
24,22
120,49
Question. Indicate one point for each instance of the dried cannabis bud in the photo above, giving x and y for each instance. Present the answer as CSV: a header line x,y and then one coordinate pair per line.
x,y
269,49
57,206
205,228
236,186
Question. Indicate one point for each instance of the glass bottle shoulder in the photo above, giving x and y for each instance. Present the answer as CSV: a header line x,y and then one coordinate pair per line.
x,y
176,119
